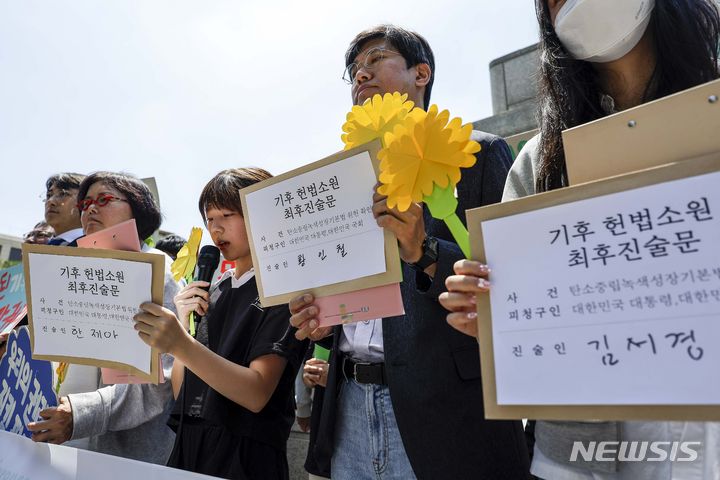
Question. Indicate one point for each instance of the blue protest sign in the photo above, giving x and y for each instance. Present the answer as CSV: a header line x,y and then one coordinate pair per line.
x,y
25,385
13,305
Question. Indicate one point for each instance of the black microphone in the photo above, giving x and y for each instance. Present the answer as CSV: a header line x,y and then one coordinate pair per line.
x,y
207,263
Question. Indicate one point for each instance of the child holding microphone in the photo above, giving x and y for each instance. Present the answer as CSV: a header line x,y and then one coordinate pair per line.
x,y
234,380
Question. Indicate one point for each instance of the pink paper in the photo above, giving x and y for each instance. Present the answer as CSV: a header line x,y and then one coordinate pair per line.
x,y
367,304
123,236
111,376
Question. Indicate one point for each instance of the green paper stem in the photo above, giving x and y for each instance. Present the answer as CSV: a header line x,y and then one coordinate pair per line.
x,y
321,353
442,204
192,323
460,233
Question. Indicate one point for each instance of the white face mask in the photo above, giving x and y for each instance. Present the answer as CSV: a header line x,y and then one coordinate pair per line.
x,y
602,30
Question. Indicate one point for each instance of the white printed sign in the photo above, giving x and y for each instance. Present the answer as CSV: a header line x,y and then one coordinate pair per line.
x,y
609,300
317,228
84,307
24,459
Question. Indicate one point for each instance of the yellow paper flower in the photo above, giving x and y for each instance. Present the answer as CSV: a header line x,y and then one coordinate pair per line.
x,y
424,151
184,264
377,116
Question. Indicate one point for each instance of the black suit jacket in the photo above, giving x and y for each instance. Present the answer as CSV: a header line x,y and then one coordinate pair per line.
x,y
433,371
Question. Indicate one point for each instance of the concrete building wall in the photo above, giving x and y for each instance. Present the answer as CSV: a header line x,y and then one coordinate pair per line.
x,y
514,89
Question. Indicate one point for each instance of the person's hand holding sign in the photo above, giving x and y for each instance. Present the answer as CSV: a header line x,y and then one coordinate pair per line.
x,y
161,329
56,426
470,279
304,318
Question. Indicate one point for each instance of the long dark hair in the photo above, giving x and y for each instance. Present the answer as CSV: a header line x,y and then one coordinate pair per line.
x,y
686,38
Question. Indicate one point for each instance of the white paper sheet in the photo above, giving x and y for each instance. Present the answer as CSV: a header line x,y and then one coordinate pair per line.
x,y
24,459
83,307
639,326
317,228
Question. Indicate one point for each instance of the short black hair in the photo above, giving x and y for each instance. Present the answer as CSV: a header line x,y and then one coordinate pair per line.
x,y
64,181
171,245
222,191
142,203
411,45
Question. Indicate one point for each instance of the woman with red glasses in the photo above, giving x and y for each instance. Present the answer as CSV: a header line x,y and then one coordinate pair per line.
x,y
124,420
106,199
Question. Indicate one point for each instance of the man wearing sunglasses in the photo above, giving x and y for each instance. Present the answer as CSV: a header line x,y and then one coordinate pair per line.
x,y
404,394
61,211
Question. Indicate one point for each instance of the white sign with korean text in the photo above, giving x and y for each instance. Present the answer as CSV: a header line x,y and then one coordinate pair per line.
x,y
612,300
317,228
84,307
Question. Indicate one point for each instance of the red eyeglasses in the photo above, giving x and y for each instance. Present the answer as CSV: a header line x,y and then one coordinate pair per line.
x,y
100,201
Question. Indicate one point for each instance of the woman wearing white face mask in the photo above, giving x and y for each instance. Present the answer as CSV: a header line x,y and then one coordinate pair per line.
x,y
599,57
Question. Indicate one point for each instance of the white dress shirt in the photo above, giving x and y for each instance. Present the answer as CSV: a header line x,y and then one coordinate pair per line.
x,y
71,235
363,341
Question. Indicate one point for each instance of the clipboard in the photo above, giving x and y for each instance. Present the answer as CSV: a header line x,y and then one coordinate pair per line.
x,y
493,410
393,269
678,127
157,263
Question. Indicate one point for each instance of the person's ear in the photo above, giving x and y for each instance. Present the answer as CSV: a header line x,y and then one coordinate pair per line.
x,y
423,74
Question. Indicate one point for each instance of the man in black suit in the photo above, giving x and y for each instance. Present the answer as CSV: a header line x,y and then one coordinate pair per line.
x,y
61,211
404,394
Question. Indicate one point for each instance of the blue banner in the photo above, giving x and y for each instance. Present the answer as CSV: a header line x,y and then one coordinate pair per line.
x,y
25,385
